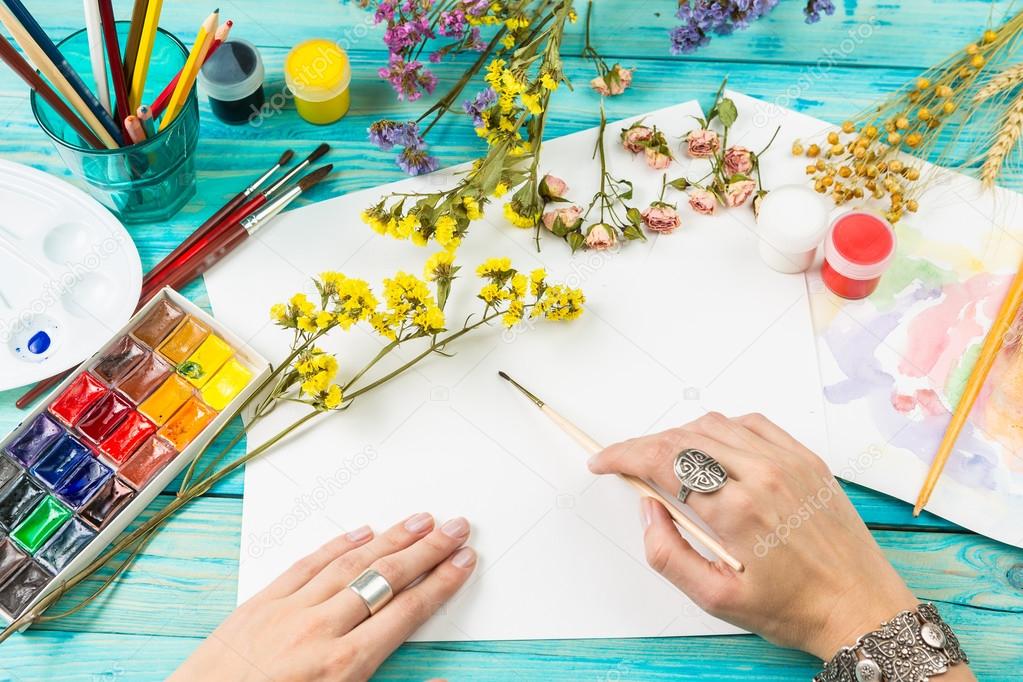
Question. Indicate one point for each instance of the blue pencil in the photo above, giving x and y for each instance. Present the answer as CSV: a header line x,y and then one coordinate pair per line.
x,y
77,84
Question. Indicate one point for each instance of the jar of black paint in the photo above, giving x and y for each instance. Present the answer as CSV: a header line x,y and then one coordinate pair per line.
x,y
233,79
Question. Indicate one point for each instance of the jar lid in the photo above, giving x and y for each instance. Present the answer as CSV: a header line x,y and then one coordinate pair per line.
x,y
317,70
793,219
233,72
860,245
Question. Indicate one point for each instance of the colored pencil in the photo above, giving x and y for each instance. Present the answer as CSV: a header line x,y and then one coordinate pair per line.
x,y
137,86
42,63
13,59
145,116
43,42
190,71
135,130
644,488
99,65
109,26
131,44
160,103
985,360
219,216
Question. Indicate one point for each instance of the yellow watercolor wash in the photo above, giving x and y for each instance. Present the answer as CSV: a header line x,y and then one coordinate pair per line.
x,y
166,400
207,359
184,340
226,384
187,423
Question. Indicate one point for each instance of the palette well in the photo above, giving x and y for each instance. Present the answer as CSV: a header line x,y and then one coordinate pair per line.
x,y
61,248
110,438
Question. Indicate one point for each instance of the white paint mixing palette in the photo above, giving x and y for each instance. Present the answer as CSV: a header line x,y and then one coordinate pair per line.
x,y
70,275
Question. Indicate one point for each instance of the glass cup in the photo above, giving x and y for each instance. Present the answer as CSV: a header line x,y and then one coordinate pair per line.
x,y
146,182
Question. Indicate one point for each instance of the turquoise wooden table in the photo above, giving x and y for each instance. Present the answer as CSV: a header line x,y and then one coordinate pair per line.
x,y
184,583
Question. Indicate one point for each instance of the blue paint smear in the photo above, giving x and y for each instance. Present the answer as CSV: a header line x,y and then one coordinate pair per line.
x,y
38,343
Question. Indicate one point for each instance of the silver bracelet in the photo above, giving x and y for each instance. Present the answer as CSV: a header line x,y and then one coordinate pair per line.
x,y
910,647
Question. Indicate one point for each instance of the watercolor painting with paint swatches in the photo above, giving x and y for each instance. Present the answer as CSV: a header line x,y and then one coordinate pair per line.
x,y
66,473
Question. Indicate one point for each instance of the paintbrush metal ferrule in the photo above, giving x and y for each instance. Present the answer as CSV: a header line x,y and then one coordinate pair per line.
x,y
262,179
290,175
526,392
263,215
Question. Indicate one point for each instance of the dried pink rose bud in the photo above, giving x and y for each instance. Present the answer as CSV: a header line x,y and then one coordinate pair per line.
x,y
656,159
552,187
737,193
600,237
636,137
661,218
702,144
702,201
616,81
738,160
570,217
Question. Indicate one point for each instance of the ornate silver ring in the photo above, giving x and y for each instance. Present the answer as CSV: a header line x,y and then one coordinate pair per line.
x,y
698,472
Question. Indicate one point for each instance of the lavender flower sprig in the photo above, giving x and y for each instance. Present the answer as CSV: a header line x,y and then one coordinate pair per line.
x,y
703,18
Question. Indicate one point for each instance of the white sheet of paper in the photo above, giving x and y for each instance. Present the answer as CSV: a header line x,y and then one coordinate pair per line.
x,y
893,364
674,327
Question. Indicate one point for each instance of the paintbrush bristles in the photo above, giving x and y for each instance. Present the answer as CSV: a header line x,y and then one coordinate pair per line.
x,y
318,153
522,389
286,157
315,177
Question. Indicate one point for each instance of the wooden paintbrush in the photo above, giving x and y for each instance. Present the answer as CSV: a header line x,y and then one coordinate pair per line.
x,y
644,488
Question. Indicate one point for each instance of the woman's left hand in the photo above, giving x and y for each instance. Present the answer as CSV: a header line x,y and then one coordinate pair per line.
x,y
307,625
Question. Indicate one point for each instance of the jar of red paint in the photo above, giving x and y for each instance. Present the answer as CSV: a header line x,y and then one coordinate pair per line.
x,y
857,251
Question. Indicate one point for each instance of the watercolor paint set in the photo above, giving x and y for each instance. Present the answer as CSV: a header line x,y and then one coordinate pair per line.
x,y
114,434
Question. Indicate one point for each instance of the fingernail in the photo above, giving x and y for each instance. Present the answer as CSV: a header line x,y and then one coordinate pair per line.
x,y
359,534
464,557
419,523
591,461
456,528
647,511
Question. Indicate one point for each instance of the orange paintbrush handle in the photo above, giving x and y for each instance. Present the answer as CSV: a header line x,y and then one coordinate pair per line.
x,y
988,354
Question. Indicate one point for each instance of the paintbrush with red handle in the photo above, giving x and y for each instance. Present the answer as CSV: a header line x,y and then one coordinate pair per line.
x,y
270,192
204,255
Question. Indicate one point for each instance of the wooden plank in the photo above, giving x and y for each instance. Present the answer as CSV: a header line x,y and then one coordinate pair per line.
x,y
989,637
863,32
190,569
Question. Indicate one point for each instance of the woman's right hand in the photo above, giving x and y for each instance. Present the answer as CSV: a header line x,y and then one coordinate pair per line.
x,y
814,577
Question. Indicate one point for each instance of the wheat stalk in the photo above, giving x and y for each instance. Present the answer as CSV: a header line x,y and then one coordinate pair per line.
x,y
1007,137
1004,80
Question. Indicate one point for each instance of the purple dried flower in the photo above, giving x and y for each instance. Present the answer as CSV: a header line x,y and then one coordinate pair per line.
x,y
702,18
452,24
409,79
814,8
415,161
387,134
475,107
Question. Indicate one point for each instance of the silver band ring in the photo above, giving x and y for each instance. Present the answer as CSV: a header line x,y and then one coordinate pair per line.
x,y
697,471
373,589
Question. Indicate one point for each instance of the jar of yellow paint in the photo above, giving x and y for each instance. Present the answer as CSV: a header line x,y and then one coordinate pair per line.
x,y
318,74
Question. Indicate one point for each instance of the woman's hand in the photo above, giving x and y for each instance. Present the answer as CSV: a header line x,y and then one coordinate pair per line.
x,y
307,625
814,577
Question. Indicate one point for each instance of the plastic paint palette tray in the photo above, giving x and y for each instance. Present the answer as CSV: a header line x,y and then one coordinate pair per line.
x,y
102,446
70,275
